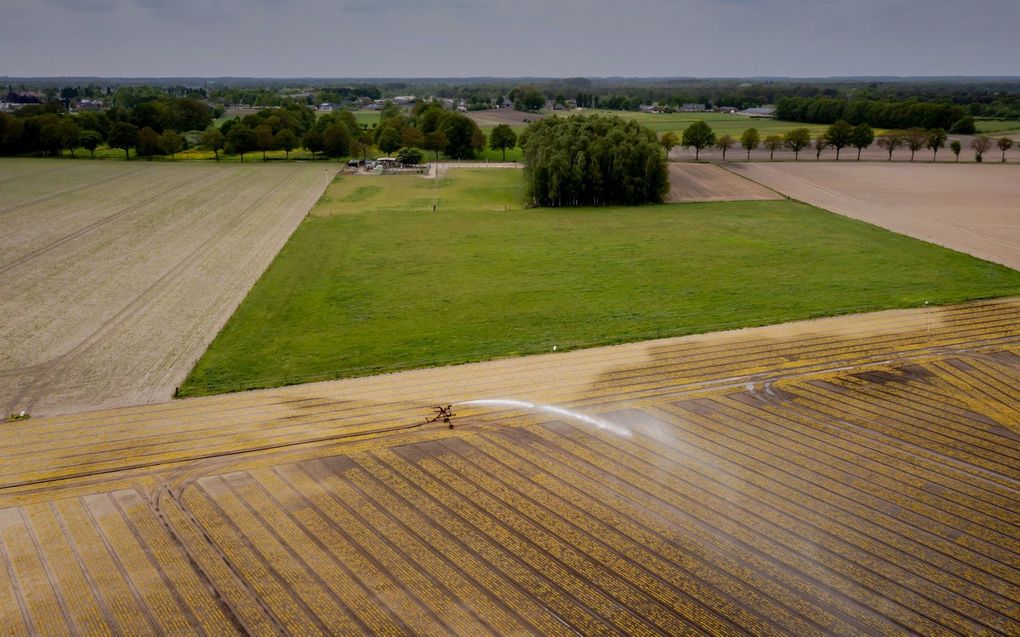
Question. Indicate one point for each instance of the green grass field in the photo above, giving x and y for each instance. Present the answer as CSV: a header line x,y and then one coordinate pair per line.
x,y
997,126
374,281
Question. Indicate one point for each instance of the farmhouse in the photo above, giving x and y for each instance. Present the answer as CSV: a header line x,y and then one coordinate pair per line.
x,y
329,107
693,108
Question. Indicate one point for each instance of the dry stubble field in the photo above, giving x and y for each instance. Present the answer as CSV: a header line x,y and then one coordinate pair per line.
x,y
115,276
971,208
854,475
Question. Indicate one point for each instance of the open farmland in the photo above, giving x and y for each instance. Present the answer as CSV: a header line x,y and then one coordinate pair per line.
x,y
970,208
708,182
114,277
374,281
845,476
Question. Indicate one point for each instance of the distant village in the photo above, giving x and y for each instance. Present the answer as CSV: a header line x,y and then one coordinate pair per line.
x,y
13,101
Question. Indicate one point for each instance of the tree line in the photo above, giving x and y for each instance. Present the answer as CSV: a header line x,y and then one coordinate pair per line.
x,y
592,161
48,129
837,136
877,113
165,126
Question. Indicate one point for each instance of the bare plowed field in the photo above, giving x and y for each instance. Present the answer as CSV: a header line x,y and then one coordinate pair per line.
x,y
708,182
971,208
855,475
496,116
114,277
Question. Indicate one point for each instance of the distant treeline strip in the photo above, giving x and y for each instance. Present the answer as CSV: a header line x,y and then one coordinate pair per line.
x,y
877,113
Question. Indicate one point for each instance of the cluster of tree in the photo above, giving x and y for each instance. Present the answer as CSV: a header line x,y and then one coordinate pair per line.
x,y
165,113
130,96
45,133
878,113
527,98
592,160
48,129
429,127
285,129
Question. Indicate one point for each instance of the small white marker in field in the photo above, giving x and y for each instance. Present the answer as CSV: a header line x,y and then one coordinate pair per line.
x,y
554,348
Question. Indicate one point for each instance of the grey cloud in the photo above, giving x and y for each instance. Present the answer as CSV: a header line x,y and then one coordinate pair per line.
x,y
98,6
498,37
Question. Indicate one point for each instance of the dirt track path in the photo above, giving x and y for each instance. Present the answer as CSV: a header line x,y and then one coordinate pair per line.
x,y
110,291
972,208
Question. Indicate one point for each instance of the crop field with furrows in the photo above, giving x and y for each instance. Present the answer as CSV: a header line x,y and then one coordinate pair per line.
x,y
971,208
854,475
689,182
114,277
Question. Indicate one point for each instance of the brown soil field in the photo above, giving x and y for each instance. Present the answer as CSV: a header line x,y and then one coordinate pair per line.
x,y
497,116
971,208
114,276
846,476
709,182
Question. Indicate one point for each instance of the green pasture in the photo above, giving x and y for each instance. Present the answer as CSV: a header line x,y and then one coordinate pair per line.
x,y
374,281
997,126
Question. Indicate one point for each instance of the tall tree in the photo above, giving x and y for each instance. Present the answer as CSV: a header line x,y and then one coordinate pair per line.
x,y
286,141
69,134
90,141
436,142
502,138
313,141
936,141
123,136
956,147
462,140
773,143
797,140
724,143
980,144
838,136
698,135
337,141
750,140
477,140
891,140
412,137
916,138
170,143
821,143
389,139
214,140
148,142
861,137
1004,143
264,138
668,141
241,140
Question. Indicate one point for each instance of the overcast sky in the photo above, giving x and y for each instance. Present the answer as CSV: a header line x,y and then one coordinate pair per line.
x,y
553,38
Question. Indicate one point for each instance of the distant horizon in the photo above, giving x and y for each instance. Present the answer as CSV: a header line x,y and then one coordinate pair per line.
x,y
423,78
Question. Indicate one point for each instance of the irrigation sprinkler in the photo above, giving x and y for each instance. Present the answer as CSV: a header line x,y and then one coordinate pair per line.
x,y
442,413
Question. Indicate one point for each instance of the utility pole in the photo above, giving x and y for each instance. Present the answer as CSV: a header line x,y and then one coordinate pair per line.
x,y
435,200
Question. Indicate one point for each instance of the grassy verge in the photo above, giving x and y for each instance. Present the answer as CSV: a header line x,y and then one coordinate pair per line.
x,y
374,281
